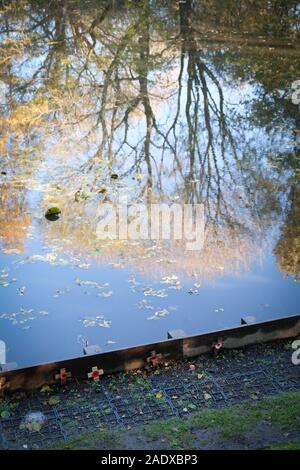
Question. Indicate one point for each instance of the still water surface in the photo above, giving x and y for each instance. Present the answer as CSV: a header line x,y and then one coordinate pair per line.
x,y
185,104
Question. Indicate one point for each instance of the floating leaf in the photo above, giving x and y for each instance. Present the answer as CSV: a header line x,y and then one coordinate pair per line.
x,y
52,211
192,291
155,293
106,294
96,321
105,324
145,304
21,290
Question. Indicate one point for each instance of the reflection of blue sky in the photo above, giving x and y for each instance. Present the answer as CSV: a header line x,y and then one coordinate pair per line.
x,y
219,304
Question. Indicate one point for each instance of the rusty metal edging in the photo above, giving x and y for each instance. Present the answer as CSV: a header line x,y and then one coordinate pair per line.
x,y
136,357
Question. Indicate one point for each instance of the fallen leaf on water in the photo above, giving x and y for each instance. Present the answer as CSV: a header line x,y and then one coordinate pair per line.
x,y
192,291
105,323
105,294
159,314
155,293
43,312
145,304
83,265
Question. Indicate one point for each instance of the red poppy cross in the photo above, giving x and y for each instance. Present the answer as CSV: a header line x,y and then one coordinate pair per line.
x,y
154,359
95,374
63,376
218,346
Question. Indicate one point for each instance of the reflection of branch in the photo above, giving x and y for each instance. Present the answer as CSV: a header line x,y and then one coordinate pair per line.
x,y
196,144
105,93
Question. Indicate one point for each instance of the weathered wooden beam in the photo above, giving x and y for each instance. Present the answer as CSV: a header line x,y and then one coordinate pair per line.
x,y
136,357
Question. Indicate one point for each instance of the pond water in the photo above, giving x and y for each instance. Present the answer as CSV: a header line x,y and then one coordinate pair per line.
x,y
180,103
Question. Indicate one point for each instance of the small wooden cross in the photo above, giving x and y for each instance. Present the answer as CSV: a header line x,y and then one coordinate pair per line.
x,y
154,359
218,346
95,374
63,376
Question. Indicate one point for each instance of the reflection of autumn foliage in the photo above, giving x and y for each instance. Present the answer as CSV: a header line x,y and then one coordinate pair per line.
x,y
14,221
228,252
288,247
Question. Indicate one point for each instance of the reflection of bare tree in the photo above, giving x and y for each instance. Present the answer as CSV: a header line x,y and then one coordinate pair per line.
x,y
203,160
93,81
287,248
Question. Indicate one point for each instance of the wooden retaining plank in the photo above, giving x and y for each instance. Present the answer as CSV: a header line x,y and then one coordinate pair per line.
x,y
136,357
233,338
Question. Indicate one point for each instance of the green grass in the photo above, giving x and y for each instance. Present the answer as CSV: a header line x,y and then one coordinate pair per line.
x,y
289,446
281,411
174,432
230,422
91,440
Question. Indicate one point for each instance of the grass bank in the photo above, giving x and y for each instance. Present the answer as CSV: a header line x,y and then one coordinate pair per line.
x,y
272,423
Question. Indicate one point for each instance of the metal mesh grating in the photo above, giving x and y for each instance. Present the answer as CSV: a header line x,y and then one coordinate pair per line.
x,y
135,399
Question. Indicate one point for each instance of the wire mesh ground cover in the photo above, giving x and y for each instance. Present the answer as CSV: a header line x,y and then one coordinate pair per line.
x,y
133,399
